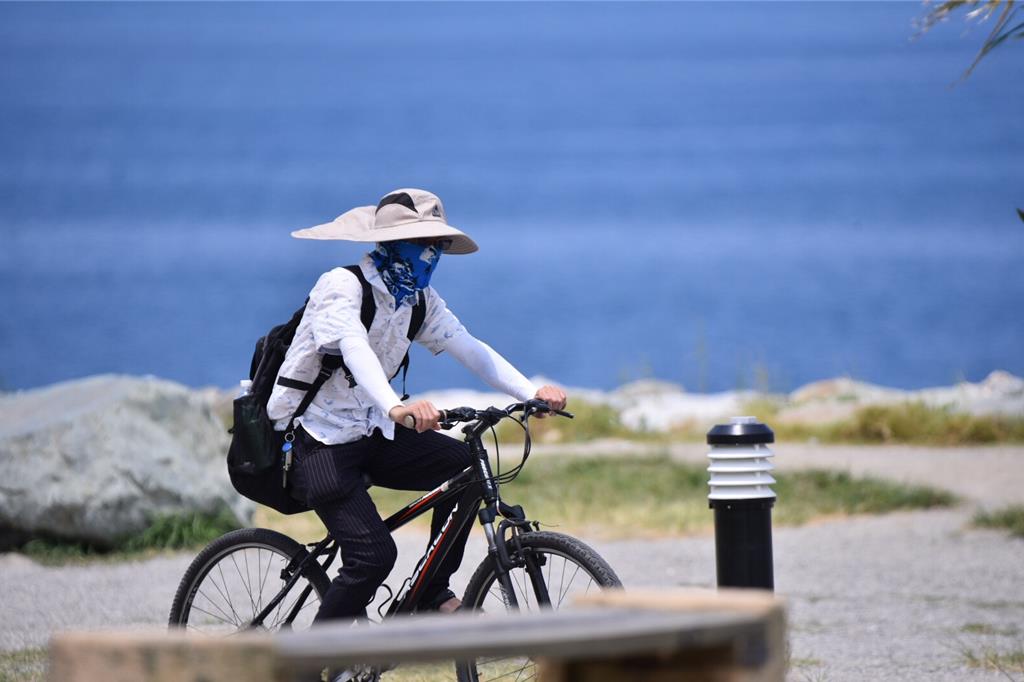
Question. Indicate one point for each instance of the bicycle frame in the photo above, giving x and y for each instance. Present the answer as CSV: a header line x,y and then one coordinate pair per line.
x,y
473,486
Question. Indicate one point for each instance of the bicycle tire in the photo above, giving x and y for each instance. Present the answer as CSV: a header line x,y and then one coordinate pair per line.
x,y
551,545
279,548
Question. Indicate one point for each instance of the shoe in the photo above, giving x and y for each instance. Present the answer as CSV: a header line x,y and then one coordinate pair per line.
x,y
358,674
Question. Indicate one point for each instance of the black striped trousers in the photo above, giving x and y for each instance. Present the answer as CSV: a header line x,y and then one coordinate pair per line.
x,y
329,478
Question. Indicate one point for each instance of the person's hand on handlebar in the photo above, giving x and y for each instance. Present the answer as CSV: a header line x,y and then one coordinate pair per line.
x,y
423,412
553,396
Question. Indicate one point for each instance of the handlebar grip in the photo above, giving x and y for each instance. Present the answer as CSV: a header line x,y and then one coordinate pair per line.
x,y
409,421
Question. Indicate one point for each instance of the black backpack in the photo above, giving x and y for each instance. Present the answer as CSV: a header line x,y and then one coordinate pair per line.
x,y
256,458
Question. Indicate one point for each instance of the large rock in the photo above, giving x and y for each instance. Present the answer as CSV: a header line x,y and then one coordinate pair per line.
x,y
1000,393
98,458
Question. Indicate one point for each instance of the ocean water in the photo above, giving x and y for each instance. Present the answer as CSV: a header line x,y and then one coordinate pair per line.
x,y
719,195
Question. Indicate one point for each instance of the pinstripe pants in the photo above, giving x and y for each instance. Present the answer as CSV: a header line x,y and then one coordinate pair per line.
x,y
329,478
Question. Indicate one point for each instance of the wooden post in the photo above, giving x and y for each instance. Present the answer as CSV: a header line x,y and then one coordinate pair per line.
x,y
644,636
742,660
160,656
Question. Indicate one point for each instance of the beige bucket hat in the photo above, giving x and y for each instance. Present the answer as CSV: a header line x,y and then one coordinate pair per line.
x,y
402,214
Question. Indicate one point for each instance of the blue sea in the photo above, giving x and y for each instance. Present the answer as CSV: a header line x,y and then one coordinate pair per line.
x,y
720,195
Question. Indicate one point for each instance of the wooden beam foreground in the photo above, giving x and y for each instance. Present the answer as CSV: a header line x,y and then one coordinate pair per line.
x,y
645,636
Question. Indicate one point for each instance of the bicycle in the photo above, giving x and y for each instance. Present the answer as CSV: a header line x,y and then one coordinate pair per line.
x,y
221,592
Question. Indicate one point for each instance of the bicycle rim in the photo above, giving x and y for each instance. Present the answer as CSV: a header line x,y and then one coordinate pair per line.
x,y
237,583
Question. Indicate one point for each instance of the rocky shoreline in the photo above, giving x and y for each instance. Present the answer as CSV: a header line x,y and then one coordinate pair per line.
x,y
652,405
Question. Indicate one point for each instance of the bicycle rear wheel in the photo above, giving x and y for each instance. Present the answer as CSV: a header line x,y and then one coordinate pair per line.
x,y
237,575
569,568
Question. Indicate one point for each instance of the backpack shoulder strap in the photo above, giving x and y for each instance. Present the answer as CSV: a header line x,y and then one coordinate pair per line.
x,y
419,313
369,307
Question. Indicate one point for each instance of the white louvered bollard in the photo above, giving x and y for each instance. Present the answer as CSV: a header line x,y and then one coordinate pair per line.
x,y
742,498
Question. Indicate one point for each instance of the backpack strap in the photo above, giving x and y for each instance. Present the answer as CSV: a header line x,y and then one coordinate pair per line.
x,y
369,307
327,367
419,313
367,311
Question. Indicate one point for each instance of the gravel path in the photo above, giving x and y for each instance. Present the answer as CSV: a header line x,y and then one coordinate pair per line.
x,y
870,598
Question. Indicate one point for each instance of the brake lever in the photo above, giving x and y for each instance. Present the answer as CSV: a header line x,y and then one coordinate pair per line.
x,y
536,406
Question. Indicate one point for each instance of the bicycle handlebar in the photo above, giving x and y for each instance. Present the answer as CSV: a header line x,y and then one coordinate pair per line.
x,y
451,417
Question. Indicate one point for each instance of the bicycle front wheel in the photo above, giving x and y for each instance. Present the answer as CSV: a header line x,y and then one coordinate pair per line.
x,y
237,575
569,568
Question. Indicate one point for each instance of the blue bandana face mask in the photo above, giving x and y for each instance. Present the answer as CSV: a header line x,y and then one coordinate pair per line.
x,y
405,267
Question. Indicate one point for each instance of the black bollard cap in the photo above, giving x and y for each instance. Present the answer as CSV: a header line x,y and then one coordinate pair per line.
x,y
741,431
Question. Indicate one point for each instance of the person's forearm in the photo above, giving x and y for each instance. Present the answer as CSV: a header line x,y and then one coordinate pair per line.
x,y
366,370
487,364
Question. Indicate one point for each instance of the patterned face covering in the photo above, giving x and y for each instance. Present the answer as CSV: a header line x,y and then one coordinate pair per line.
x,y
405,267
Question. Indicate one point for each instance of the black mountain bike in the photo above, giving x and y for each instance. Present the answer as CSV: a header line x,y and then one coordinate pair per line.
x,y
257,578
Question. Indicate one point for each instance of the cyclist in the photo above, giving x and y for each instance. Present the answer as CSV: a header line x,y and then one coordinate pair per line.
x,y
348,431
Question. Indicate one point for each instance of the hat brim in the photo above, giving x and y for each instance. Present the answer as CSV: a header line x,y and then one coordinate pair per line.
x,y
356,225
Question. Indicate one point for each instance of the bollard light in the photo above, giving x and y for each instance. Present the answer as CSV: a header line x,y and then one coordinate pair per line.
x,y
742,499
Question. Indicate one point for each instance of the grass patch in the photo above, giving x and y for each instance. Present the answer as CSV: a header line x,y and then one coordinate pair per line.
x,y
180,532
993,659
653,496
985,629
630,496
26,665
167,532
919,423
911,423
1008,518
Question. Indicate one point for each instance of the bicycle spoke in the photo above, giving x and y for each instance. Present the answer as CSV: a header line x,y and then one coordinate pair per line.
x,y
248,590
497,595
214,604
260,575
562,596
521,584
517,671
245,556
259,593
227,598
213,615
561,582
520,678
287,610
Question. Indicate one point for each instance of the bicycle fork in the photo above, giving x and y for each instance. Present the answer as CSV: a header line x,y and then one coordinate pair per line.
x,y
514,520
514,525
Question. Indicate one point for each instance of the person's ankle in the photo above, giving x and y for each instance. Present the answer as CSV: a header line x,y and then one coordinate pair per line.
x,y
450,606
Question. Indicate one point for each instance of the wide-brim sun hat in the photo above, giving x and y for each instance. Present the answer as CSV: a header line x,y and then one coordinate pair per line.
x,y
402,214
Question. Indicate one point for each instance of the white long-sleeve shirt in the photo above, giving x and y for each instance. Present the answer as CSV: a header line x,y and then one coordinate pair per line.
x,y
331,323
